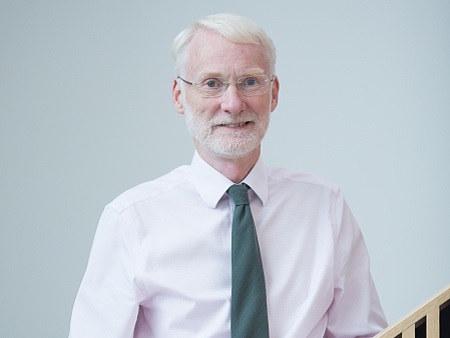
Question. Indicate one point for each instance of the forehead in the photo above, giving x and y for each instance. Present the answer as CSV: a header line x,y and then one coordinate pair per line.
x,y
210,52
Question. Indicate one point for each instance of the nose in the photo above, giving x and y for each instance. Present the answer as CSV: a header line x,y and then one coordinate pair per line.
x,y
232,100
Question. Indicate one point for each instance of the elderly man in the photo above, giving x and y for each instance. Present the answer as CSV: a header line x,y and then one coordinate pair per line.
x,y
226,246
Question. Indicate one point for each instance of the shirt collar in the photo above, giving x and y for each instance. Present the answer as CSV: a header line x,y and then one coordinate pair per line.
x,y
212,185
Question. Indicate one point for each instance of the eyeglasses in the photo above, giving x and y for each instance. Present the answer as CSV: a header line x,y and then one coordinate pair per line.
x,y
251,85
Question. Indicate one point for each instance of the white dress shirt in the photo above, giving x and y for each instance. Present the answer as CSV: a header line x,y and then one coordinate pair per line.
x,y
160,263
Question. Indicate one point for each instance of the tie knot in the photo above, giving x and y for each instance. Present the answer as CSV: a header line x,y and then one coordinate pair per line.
x,y
239,194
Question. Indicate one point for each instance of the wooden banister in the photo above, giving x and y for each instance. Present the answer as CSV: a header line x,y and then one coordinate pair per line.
x,y
431,320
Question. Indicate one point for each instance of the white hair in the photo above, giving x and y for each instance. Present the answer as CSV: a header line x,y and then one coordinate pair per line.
x,y
233,27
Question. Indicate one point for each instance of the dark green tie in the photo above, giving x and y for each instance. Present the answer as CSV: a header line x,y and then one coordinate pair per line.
x,y
248,290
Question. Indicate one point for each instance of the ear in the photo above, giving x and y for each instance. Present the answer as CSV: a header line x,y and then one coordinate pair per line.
x,y
275,91
177,97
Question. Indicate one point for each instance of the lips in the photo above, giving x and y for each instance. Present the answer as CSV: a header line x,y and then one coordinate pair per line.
x,y
233,125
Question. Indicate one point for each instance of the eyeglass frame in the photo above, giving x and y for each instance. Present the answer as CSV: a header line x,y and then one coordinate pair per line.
x,y
227,83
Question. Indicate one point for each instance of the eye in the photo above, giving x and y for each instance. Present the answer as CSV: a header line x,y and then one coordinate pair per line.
x,y
249,82
212,83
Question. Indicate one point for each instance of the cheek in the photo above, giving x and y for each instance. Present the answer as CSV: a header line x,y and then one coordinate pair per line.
x,y
206,107
194,101
261,105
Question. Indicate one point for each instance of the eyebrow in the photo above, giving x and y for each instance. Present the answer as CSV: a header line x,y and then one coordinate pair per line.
x,y
207,74
248,72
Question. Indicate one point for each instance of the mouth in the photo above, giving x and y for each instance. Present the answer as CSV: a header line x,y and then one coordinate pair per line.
x,y
234,125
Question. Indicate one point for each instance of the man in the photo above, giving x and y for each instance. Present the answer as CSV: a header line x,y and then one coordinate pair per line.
x,y
161,263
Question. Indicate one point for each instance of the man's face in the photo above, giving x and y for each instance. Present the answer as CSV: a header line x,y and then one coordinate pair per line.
x,y
231,125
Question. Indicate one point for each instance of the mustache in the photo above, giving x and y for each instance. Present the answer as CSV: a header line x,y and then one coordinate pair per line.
x,y
241,118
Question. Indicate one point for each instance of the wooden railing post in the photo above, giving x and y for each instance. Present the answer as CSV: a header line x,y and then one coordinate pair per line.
x,y
433,323
430,312
410,332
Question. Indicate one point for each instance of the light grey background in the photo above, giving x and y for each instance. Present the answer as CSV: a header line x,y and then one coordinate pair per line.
x,y
86,113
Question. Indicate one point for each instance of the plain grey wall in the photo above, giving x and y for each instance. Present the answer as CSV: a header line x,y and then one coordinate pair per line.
x,y
86,113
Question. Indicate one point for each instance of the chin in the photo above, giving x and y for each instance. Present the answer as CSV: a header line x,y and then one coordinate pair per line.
x,y
230,152
231,156
229,146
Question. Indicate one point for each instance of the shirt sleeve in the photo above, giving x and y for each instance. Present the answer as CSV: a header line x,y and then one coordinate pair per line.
x,y
107,302
356,310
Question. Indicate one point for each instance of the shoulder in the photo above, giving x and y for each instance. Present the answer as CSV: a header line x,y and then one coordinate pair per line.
x,y
152,189
294,178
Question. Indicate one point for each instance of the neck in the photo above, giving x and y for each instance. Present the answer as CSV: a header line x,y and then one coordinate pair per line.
x,y
235,169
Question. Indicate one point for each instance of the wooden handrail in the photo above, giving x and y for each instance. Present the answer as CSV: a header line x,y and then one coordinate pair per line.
x,y
429,313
